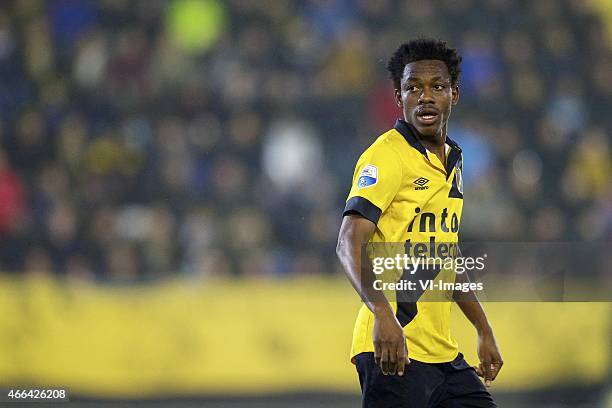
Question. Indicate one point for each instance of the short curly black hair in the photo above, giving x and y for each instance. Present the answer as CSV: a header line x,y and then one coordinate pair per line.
x,y
423,49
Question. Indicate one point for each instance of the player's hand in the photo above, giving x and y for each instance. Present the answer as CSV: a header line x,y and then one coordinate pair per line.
x,y
490,359
390,351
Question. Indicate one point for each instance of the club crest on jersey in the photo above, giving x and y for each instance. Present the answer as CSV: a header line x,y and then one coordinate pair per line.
x,y
456,190
368,176
459,179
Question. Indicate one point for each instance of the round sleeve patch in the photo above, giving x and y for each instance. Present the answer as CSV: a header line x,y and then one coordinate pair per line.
x,y
368,176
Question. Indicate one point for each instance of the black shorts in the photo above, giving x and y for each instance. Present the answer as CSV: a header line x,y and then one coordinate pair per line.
x,y
423,385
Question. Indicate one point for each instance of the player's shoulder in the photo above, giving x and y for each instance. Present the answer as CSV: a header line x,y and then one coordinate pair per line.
x,y
386,145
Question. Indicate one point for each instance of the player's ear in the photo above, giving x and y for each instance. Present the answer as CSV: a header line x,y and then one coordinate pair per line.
x,y
455,94
398,98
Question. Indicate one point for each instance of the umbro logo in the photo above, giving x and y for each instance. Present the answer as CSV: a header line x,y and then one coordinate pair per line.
x,y
420,183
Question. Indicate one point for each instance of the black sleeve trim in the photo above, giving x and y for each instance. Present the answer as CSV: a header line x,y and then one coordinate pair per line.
x,y
363,207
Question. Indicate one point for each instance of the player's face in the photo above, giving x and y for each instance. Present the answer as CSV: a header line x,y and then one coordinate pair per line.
x,y
427,96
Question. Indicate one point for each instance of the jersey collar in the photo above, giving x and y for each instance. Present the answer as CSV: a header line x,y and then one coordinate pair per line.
x,y
453,158
406,131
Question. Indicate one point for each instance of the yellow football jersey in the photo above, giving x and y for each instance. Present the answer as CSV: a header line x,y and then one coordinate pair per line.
x,y
413,198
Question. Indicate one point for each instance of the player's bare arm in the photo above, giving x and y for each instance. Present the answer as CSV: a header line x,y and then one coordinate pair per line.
x,y
388,335
490,358
488,353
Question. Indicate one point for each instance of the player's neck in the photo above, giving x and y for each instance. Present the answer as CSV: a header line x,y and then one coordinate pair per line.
x,y
433,142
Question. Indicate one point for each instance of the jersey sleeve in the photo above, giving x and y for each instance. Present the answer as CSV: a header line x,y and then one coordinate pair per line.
x,y
376,181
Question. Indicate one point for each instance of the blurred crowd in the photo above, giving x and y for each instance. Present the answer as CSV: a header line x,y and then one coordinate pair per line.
x,y
143,139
